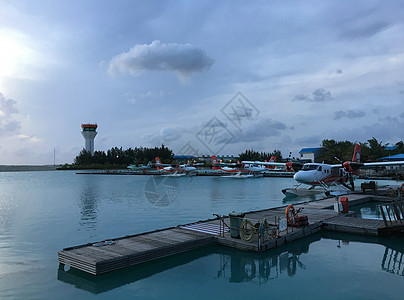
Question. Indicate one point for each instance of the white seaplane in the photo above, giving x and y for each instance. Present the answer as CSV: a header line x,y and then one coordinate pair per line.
x,y
237,170
322,177
134,167
175,170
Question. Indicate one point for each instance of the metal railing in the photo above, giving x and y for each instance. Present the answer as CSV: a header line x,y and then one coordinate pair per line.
x,y
250,230
393,213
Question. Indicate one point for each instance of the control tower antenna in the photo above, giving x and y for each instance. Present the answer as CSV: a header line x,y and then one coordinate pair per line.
x,y
89,131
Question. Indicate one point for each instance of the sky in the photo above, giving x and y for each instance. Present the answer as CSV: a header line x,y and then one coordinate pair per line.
x,y
201,77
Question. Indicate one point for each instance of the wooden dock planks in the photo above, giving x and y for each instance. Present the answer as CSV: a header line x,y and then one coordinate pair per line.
x,y
131,250
354,225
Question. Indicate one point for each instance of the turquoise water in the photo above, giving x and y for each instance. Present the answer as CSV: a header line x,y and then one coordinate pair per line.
x,y
43,212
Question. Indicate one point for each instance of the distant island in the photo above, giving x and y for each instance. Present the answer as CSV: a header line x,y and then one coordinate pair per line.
x,y
17,168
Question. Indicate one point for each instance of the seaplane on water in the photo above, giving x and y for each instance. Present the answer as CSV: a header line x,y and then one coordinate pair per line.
x,y
321,177
175,170
237,170
134,167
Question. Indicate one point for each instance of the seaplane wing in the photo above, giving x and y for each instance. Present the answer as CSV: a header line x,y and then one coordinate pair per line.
x,y
288,166
381,164
184,168
236,168
265,163
134,167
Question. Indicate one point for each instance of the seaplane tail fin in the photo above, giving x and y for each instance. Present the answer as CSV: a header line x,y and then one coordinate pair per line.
x,y
158,163
272,159
357,154
215,162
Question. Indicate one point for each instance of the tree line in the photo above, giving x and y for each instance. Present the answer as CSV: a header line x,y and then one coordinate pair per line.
x,y
260,156
341,151
332,152
119,156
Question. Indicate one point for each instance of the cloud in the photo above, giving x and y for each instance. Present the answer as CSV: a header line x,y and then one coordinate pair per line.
x,y
350,114
319,95
309,140
8,125
7,106
165,135
150,95
363,27
259,130
183,59
31,138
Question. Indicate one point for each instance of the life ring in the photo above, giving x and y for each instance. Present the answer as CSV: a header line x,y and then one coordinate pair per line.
x,y
290,214
391,192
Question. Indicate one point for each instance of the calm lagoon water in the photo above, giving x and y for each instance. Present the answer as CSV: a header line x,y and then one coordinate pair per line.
x,y
43,212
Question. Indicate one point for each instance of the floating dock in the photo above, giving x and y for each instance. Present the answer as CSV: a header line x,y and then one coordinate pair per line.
x,y
110,255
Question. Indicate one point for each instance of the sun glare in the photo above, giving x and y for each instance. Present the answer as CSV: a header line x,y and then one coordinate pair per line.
x,y
12,53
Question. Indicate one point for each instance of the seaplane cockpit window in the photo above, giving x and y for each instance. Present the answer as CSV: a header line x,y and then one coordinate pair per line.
x,y
308,167
319,168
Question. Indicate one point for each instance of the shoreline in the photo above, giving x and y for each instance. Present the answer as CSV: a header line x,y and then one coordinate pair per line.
x,y
25,168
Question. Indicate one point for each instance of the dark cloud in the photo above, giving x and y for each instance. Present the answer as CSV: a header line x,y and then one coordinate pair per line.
x,y
319,95
183,59
259,130
350,114
364,28
309,141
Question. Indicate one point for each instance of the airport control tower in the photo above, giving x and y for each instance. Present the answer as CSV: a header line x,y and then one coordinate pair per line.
x,y
89,131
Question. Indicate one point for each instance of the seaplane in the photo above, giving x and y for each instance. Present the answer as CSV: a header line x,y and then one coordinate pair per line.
x,y
135,167
237,170
174,170
322,177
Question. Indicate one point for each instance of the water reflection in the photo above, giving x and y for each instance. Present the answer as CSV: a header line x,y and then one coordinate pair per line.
x,y
7,212
393,257
393,261
103,283
369,210
89,203
233,266
237,266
